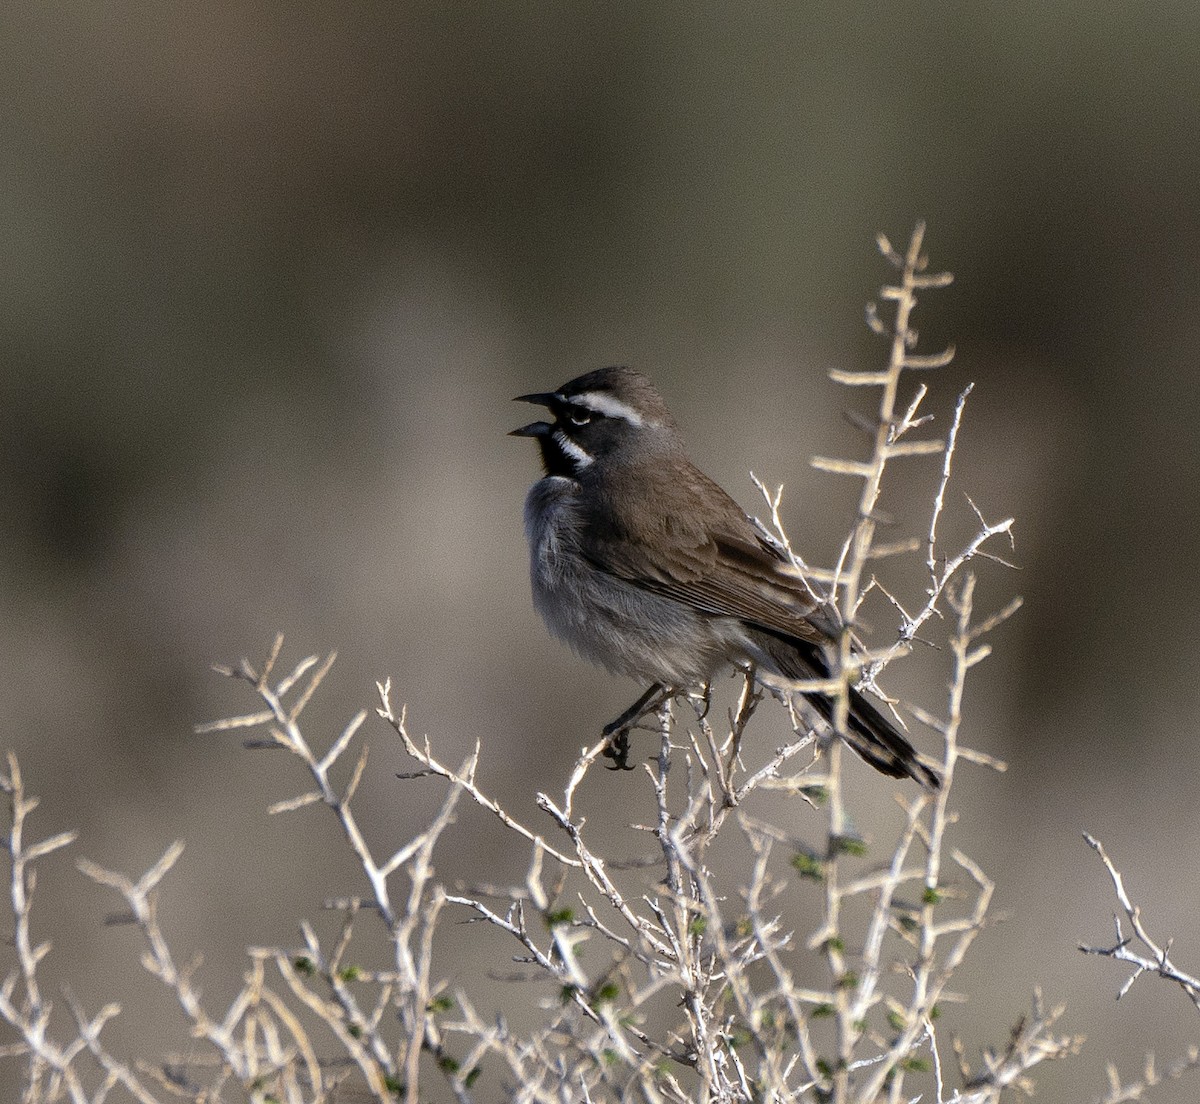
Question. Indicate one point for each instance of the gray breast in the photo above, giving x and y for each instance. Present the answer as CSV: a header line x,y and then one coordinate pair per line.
x,y
609,620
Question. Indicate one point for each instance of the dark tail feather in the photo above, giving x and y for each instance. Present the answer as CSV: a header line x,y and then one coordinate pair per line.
x,y
870,733
875,739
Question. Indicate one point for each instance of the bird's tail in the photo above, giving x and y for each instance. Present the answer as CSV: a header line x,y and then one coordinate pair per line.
x,y
875,739
868,732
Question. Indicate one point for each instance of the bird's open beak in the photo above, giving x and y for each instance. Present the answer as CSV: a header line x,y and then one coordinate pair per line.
x,y
536,429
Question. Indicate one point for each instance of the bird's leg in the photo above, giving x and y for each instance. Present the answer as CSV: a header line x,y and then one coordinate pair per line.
x,y
639,709
617,732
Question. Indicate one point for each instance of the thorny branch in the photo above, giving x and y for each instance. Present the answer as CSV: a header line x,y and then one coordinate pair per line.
x,y
1156,958
673,977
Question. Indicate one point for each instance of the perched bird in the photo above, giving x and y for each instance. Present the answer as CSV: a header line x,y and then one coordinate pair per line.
x,y
643,564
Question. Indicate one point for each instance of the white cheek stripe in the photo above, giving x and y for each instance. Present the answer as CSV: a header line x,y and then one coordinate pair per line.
x,y
582,458
608,406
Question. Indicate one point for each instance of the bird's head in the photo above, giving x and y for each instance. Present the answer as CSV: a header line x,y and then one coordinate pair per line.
x,y
607,413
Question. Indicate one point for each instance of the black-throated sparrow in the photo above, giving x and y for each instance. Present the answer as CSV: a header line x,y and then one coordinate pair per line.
x,y
643,564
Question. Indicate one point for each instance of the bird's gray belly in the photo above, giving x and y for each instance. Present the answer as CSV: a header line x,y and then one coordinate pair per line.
x,y
609,620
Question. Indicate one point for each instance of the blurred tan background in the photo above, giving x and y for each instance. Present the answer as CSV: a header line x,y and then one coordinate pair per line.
x,y
270,276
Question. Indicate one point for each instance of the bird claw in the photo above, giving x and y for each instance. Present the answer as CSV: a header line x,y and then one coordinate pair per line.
x,y
618,750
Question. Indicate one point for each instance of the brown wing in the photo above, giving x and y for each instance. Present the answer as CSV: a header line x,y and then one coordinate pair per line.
x,y
698,547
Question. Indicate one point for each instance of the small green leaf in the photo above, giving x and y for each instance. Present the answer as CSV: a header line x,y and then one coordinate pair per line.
x,y
808,866
849,845
817,794
608,992
739,1037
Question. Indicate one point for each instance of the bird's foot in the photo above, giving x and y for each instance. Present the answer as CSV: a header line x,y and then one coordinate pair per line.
x,y
617,732
618,750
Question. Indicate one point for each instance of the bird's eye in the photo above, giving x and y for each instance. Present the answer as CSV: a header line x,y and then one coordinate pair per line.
x,y
578,416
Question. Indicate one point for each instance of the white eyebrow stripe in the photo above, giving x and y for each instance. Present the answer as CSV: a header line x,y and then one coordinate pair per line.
x,y
608,406
580,456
